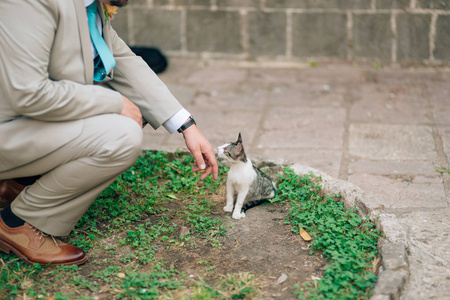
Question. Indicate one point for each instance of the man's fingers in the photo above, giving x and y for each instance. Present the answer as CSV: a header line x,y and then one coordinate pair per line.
x,y
212,162
199,161
202,152
206,173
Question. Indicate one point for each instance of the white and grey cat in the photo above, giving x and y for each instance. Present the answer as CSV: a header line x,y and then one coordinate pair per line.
x,y
252,186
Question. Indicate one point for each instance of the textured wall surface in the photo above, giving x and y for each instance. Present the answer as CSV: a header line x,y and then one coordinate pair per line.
x,y
389,31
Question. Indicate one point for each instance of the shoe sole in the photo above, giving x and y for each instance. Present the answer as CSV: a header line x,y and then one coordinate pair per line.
x,y
6,248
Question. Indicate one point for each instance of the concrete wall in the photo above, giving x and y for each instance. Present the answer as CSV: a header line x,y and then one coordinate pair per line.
x,y
386,31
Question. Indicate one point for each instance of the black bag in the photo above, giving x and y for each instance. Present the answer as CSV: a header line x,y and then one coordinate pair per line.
x,y
153,57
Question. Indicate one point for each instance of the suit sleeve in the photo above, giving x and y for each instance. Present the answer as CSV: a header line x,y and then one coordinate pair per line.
x,y
134,79
27,30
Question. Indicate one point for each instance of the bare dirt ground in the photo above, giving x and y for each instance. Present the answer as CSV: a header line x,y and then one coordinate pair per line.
x,y
260,244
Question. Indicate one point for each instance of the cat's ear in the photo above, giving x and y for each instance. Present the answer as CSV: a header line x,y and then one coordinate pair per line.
x,y
239,140
240,149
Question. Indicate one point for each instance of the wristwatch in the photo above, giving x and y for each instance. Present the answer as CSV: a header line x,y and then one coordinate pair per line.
x,y
186,125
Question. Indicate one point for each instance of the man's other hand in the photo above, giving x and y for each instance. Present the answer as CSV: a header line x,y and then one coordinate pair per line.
x,y
130,110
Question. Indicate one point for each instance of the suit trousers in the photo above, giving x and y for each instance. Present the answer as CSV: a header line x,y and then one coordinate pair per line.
x,y
75,174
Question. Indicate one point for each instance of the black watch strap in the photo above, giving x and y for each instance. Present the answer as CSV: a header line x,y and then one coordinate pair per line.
x,y
186,125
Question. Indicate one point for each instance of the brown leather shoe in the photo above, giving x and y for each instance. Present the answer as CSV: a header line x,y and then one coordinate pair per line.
x,y
9,189
32,246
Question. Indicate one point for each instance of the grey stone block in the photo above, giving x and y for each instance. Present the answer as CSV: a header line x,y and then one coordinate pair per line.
x,y
390,282
193,2
308,94
303,127
137,3
345,4
387,141
267,34
319,34
229,97
380,297
208,76
238,3
413,36
120,24
328,161
158,28
161,2
372,36
428,254
405,169
389,104
217,31
399,193
442,38
392,229
446,142
434,4
394,256
388,4
438,94
272,75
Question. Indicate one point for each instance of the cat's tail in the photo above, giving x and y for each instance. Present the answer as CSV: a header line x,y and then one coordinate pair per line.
x,y
253,203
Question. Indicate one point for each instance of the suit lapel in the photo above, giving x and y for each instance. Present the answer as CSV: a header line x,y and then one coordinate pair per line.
x,y
83,29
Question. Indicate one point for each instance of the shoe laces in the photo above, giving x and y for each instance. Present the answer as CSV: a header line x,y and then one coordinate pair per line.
x,y
42,235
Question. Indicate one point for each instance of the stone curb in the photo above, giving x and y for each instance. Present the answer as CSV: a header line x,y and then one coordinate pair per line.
x,y
394,269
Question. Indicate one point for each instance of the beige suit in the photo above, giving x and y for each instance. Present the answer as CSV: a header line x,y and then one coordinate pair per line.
x,y
46,74
50,108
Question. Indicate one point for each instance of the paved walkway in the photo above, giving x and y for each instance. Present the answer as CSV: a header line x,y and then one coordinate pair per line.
x,y
385,130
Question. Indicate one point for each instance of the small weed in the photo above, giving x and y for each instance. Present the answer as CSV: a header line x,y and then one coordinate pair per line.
x,y
442,170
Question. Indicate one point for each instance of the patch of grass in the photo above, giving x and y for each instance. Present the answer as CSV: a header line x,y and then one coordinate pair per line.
x,y
231,286
146,208
16,278
346,240
149,285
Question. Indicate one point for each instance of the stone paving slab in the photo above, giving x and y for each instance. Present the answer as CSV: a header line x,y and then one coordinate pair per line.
x,y
305,94
387,141
397,193
297,127
429,257
328,161
384,130
389,104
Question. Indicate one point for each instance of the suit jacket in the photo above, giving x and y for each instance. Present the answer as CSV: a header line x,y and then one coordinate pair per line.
x,y
46,79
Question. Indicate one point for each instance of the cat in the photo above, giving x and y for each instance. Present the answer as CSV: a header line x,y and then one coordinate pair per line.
x,y
251,185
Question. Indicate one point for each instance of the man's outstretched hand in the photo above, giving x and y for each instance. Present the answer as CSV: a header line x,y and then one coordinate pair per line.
x,y
203,153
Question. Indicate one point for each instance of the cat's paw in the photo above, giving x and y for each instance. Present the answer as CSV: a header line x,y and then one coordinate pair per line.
x,y
228,208
238,216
